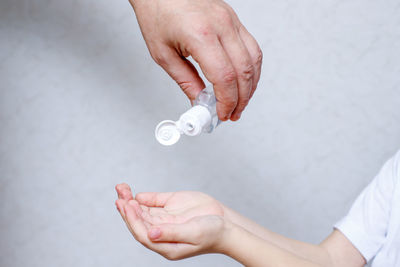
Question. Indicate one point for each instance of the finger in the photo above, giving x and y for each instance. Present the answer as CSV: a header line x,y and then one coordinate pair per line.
x,y
241,61
124,191
255,54
179,233
120,203
139,232
182,71
132,212
134,222
140,213
153,199
218,69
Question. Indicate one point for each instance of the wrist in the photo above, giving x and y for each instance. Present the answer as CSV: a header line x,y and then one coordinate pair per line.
x,y
232,216
224,245
237,243
227,213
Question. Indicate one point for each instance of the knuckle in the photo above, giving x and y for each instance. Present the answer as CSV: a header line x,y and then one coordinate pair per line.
x,y
159,58
247,72
258,56
224,15
186,86
229,76
125,194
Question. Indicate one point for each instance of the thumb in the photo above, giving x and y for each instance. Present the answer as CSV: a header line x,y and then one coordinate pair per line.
x,y
182,71
179,233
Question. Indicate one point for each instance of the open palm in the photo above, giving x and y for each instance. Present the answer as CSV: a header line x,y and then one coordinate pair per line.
x,y
175,225
172,207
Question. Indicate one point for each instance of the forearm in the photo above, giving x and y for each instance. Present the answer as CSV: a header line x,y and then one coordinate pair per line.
x,y
253,251
310,252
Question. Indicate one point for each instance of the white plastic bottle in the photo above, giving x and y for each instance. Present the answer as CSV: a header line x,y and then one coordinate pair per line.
x,y
202,117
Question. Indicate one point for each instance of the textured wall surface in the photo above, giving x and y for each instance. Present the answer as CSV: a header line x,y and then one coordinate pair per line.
x,y
80,97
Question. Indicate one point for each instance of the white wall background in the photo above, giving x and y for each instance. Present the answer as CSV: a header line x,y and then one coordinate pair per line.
x,y
80,97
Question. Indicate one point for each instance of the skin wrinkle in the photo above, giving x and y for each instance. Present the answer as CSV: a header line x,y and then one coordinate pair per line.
x,y
174,30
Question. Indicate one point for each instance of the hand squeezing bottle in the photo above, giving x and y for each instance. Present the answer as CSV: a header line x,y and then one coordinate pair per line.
x,y
202,117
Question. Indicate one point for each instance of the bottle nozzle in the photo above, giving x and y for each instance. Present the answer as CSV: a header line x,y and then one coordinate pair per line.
x,y
167,133
202,117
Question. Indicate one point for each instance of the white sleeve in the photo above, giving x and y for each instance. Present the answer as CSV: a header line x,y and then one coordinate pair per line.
x,y
366,223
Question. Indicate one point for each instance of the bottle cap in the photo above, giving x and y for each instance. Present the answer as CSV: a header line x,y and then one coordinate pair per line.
x,y
167,133
191,123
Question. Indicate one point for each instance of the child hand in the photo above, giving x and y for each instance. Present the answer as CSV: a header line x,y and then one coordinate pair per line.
x,y
172,207
184,224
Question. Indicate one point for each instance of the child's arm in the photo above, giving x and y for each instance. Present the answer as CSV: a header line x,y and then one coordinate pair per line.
x,y
184,224
206,234
251,250
335,250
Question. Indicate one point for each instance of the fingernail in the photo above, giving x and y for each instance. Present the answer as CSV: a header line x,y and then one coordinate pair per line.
x,y
225,118
235,117
154,233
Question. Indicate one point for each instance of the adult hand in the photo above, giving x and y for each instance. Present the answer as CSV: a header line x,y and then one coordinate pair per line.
x,y
210,32
175,225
